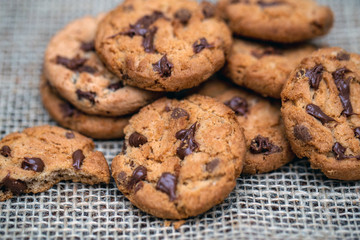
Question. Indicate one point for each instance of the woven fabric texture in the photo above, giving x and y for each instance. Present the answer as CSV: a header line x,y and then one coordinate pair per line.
x,y
294,202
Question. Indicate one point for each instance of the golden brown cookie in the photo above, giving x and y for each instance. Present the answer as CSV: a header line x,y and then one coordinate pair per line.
x,y
163,45
39,157
284,21
321,108
181,157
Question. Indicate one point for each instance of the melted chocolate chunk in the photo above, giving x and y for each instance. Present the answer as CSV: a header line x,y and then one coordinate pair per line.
x,y
201,44
208,9
116,86
357,132
163,67
87,95
138,175
78,158
238,105
179,113
167,184
188,144
339,151
15,186
259,53
343,86
34,164
210,167
262,144
315,75
69,135
67,109
343,56
317,113
265,4
5,151
137,139
240,1
87,68
148,40
183,15
121,177
72,64
302,133
88,46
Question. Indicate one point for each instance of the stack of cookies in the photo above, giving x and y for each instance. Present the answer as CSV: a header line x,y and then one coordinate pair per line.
x,y
181,156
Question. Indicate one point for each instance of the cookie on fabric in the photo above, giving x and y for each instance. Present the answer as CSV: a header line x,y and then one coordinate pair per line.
x,y
267,148
264,68
163,45
321,107
284,21
69,117
34,160
181,157
73,68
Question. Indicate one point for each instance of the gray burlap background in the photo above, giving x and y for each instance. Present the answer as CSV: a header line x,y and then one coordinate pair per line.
x,y
294,202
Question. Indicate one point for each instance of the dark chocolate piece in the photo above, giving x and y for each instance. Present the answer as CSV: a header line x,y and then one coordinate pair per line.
x,y
179,113
339,151
315,75
138,175
265,4
317,113
183,15
116,86
238,105
302,133
167,184
343,56
210,167
357,132
121,177
259,53
188,144
87,95
88,46
5,151
163,67
263,145
201,44
208,9
148,40
87,68
343,86
15,186
72,64
34,164
69,135
78,158
137,139
67,109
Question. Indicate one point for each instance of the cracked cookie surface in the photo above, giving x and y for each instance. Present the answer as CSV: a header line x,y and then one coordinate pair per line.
x,y
321,111
163,45
267,148
181,157
285,21
39,157
72,67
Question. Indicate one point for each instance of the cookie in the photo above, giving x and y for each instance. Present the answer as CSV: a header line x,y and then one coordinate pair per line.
x,y
34,160
163,45
181,157
74,69
69,117
264,68
284,21
321,107
267,148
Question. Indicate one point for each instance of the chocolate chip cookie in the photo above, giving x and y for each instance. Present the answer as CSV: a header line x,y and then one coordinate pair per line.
x,y
69,117
262,67
163,45
267,148
181,157
74,69
39,157
284,21
321,108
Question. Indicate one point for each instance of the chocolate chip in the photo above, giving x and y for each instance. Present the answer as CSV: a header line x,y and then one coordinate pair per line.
x,y
238,105
34,164
212,165
5,151
148,40
240,1
163,67
316,112
315,75
69,135
188,143
72,64
121,177
87,68
167,184
137,139
265,4
78,158
87,95
116,86
138,175
339,151
123,149
167,108
343,86
343,56
183,15
201,44
262,144
300,73
302,133
259,53
15,186
88,46
179,113
208,9
67,109
357,132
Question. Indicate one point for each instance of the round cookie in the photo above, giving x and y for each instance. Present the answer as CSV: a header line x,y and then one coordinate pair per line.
x,y
264,68
181,157
39,157
285,21
267,148
74,69
163,45
68,116
321,108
